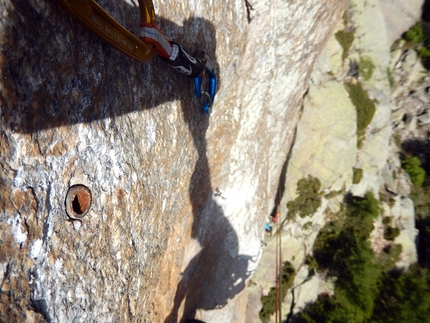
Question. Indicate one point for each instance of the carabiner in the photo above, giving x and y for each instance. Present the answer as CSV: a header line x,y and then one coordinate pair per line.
x,y
210,93
95,19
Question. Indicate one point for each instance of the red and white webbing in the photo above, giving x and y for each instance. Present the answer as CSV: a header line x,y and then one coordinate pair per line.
x,y
151,34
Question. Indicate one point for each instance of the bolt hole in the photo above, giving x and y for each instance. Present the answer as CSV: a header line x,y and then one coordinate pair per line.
x,y
78,201
79,204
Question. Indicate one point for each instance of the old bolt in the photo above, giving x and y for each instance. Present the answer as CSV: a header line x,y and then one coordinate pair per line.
x,y
78,201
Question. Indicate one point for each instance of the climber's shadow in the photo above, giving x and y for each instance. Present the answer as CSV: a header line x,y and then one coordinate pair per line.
x,y
217,273
55,73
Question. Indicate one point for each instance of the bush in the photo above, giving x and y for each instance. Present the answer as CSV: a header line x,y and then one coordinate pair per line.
x,y
356,286
286,279
312,263
325,247
419,37
307,225
361,213
416,34
424,52
357,275
412,166
403,297
367,288
308,199
390,256
391,233
347,253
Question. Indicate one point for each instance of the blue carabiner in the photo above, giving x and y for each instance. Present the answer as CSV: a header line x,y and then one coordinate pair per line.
x,y
210,93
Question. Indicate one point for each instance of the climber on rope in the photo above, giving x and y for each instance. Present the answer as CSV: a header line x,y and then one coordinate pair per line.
x,y
275,217
151,40
268,228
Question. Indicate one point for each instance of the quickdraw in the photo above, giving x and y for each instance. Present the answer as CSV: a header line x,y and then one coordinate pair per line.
x,y
151,41
210,93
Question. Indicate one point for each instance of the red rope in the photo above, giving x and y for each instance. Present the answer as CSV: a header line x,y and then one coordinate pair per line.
x,y
278,309
276,277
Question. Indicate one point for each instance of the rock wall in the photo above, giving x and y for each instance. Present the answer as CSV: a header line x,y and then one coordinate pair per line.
x,y
326,144
156,245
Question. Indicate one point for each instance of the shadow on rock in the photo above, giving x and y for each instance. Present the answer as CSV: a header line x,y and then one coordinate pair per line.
x,y
217,273
55,73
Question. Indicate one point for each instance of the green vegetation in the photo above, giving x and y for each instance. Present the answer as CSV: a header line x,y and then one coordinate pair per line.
x,y
366,68
365,109
312,263
421,198
390,77
391,233
419,38
367,288
326,245
358,217
357,175
424,52
412,166
389,256
420,193
416,34
333,193
345,39
285,281
344,250
308,199
403,297
361,212
307,225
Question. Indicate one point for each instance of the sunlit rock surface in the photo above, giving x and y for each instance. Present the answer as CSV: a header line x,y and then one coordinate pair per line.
x,y
157,245
399,16
326,146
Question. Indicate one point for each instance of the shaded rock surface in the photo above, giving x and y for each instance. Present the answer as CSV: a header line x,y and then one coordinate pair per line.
x,y
156,245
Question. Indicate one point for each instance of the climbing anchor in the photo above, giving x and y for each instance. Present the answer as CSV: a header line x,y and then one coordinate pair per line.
x,y
151,41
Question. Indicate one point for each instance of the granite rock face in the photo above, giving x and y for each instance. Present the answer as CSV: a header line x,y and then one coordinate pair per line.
x,y
156,245
326,145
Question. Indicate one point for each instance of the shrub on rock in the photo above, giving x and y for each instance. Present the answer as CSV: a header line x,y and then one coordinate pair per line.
x,y
412,166
309,199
